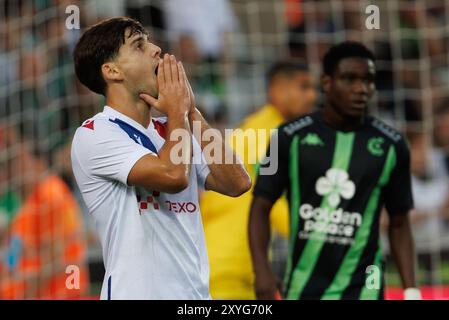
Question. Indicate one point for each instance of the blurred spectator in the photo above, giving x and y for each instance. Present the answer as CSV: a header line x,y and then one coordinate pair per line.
x,y
291,93
442,129
207,22
199,32
9,199
151,15
37,81
46,235
430,186
411,20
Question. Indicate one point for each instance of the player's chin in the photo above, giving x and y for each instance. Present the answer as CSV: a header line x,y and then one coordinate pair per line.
x,y
155,92
356,110
151,90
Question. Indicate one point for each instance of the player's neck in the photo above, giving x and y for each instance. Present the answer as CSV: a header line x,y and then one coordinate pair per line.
x,y
283,111
339,121
129,105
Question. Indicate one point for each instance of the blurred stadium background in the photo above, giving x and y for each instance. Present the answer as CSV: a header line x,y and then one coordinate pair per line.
x,y
227,47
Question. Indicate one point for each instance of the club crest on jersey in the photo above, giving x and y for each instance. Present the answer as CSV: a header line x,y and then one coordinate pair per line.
x,y
375,146
149,200
335,185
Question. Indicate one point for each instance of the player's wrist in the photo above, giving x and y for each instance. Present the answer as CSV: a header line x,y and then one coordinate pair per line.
x,y
412,294
177,113
193,111
263,270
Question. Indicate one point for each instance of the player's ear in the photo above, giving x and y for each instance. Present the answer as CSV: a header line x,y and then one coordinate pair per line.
x,y
326,81
111,72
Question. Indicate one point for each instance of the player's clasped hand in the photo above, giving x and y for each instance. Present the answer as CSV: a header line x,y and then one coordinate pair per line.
x,y
174,96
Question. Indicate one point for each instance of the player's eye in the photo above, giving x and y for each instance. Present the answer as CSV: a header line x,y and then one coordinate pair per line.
x,y
348,78
369,80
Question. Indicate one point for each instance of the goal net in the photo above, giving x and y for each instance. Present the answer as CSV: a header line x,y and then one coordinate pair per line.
x,y
227,47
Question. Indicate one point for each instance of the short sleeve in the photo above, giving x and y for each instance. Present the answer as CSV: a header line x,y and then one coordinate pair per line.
x,y
201,166
398,191
271,183
106,152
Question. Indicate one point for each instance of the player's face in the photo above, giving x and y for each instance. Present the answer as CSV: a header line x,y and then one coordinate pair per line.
x,y
351,86
138,59
300,94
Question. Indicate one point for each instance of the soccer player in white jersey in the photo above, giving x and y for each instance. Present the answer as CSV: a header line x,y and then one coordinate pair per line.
x,y
145,204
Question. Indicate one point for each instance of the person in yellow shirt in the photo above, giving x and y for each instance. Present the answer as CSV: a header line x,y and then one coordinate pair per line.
x,y
291,93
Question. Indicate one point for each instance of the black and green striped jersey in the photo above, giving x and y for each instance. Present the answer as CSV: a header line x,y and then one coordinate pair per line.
x,y
336,183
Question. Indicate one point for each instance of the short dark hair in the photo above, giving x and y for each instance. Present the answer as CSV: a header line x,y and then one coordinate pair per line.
x,y
347,49
288,68
99,44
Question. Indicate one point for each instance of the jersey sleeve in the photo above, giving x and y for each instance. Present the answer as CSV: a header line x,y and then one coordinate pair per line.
x,y
106,152
272,185
201,167
398,191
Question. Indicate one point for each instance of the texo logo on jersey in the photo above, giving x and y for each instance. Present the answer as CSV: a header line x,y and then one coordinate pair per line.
x,y
181,207
172,206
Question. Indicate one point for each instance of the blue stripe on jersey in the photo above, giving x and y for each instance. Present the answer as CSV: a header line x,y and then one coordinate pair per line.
x,y
135,134
109,287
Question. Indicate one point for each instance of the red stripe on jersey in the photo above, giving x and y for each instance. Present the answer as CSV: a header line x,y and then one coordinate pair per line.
x,y
89,124
161,128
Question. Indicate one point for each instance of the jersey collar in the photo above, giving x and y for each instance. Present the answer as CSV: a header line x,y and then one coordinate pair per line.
x,y
112,113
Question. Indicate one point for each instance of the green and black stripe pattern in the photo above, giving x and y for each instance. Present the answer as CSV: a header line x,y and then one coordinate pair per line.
x,y
337,183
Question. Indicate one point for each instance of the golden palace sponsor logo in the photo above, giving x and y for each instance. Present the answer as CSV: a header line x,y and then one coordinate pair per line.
x,y
333,222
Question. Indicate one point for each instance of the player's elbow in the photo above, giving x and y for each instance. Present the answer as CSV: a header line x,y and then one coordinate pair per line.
x,y
243,185
177,181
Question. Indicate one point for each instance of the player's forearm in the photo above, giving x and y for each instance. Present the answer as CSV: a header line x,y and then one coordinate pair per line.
x,y
259,235
403,251
177,150
229,174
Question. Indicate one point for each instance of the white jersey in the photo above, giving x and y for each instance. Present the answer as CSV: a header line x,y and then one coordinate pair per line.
x,y
153,242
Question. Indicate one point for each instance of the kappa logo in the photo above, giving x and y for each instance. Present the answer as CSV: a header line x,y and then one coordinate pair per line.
x,y
335,185
138,139
312,139
375,146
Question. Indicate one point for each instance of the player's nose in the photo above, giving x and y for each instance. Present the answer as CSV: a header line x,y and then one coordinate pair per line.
x,y
157,51
360,87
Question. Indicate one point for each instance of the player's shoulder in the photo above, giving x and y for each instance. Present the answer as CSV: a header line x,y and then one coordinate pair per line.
x,y
390,134
381,128
297,125
266,117
99,126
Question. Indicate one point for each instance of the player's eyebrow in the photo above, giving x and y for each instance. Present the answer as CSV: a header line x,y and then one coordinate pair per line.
x,y
138,37
356,74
